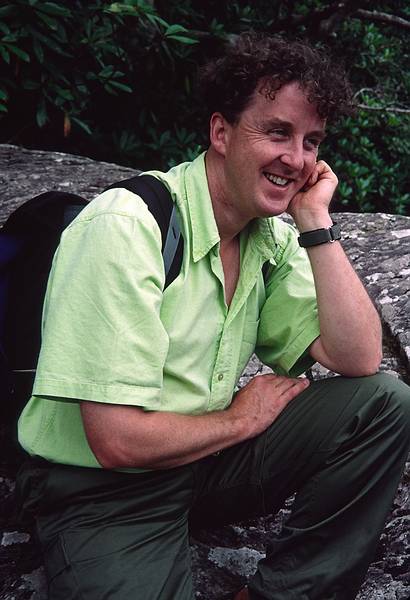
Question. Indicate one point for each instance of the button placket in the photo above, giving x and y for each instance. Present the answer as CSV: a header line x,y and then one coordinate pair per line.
x,y
220,378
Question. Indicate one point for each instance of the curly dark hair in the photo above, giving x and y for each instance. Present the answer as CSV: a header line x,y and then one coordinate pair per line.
x,y
227,84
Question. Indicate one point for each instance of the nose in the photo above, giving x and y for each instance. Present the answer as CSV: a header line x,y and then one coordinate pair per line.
x,y
293,155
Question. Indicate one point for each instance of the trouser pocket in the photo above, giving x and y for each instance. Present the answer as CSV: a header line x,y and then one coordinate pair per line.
x,y
62,584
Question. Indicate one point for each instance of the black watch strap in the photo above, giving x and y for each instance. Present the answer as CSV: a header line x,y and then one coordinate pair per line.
x,y
319,236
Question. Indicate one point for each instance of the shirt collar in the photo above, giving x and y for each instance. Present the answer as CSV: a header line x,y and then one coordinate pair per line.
x,y
264,237
264,234
205,233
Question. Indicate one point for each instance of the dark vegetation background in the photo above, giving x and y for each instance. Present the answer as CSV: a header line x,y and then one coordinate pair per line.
x,y
115,81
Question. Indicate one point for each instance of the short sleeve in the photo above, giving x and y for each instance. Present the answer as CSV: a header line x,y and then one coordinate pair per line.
x,y
288,319
103,339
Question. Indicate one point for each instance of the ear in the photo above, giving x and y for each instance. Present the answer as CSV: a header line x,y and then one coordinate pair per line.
x,y
219,133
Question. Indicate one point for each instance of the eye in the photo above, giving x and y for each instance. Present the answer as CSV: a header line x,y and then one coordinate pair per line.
x,y
278,132
312,143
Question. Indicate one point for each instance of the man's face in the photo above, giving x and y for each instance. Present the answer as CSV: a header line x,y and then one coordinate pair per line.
x,y
270,152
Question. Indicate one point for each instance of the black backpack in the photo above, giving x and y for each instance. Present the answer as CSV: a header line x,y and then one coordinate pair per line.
x,y
28,240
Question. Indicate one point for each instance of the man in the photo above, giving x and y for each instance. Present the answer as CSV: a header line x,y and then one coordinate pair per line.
x,y
134,415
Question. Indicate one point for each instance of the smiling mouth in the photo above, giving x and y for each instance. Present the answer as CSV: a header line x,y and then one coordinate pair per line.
x,y
280,181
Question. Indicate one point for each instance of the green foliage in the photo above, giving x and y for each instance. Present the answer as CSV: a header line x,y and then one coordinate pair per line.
x,y
369,154
370,151
115,80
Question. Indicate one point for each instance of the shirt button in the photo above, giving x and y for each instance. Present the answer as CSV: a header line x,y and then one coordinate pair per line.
x,y
220,376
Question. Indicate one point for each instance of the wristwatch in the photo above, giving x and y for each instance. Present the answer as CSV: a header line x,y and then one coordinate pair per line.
x,y
319,236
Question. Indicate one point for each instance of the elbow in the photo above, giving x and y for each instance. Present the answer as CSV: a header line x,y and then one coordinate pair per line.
x,y
112,456
109,454
364,366
112,461
107,461
372,363
356,362
111,432
358,371
106,456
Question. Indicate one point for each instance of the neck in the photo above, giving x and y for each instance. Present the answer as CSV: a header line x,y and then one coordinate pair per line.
x,y
228,221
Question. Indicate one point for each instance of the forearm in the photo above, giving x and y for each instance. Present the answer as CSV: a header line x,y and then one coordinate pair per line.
x,y
350,330
128,437
157,440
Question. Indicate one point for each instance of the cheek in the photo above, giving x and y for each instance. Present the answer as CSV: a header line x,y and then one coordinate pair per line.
x,y
310,164
307,172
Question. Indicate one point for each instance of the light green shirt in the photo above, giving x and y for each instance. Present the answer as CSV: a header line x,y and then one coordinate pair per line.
x,y
111,334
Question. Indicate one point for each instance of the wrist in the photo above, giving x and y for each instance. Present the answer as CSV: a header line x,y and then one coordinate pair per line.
x,y
310,221
316,237
240,426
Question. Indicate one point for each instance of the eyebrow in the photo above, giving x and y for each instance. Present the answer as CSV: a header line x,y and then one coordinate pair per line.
x,y
320,133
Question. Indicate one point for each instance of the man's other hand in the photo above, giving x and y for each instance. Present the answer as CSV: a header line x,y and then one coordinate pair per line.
x,y
259,403
310,207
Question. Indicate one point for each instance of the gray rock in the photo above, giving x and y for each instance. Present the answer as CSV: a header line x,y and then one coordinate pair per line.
x,y
26,173
378,246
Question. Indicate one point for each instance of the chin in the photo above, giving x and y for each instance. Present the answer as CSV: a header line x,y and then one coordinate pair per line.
x,y
275,208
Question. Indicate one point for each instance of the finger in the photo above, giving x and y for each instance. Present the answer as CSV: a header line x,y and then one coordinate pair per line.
x,y
322,166
314,176
287,384
324,170
272,378
292,388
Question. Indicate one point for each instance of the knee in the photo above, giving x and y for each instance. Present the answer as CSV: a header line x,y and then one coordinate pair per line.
x,y
395,396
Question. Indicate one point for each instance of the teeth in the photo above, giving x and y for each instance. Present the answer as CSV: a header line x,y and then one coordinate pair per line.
x,y
276,179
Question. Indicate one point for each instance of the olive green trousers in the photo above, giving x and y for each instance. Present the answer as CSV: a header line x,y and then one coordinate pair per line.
x,y
340,445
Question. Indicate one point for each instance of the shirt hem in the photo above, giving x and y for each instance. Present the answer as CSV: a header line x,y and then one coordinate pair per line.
x,y
111,394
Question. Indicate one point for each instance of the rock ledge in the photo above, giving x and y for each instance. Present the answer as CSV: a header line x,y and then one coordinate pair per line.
x,y
378,246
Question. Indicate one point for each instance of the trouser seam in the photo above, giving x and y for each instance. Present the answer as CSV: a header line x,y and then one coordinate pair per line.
x,y
260,479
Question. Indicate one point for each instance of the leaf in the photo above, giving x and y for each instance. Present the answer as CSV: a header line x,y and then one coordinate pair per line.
x,y
38,51
3,108
167,52
48,41
41,114
165,137
5,54
121,86
54,9
29,84
182,39
19,52
55,72
49,21
82,125
4,28
66,94
61,34
108,88
10,37
122,9
106,72
155,19
3,95
7,11
175,29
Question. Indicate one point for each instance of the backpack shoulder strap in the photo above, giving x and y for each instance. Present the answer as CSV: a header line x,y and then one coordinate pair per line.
x,y
159,201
